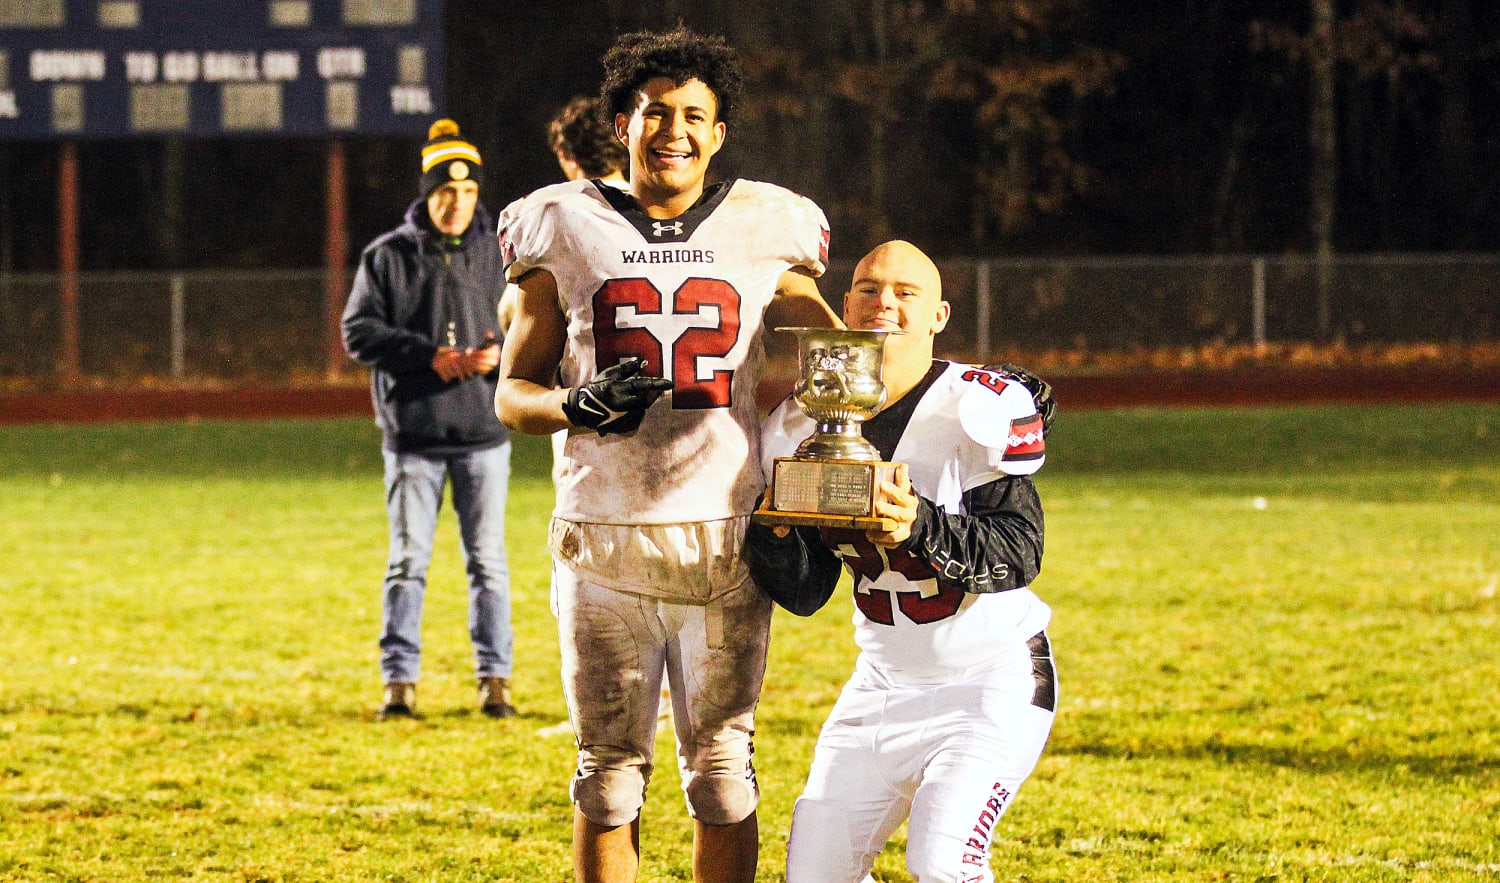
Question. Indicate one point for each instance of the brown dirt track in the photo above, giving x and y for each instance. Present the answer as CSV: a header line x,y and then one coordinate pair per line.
x,y
1244,386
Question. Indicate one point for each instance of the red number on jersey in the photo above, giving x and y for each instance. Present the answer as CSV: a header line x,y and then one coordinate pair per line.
x,y
705,342
867,561
993,382
712,297
613,343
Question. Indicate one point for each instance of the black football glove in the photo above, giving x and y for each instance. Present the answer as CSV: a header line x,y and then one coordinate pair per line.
x,y
1041,391
616,400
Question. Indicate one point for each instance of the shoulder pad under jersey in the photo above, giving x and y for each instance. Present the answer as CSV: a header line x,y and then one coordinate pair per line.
x,y
1000,415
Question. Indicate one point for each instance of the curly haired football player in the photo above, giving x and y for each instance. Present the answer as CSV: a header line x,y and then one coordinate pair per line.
x,y
638,330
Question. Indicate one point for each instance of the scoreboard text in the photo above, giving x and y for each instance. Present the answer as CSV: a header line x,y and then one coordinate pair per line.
x,y
74,69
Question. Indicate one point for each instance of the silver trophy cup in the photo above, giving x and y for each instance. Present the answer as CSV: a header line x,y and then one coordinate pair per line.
x,y
840,389
834,475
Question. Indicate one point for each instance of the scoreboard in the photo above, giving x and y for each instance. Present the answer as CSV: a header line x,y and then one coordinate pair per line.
x,y
93,69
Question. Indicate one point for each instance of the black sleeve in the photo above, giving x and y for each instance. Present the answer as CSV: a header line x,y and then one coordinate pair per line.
x,y
797,571
371,334
996,547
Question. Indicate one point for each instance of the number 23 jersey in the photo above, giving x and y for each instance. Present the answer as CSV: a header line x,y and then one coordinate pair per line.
x,y
687,294
968,427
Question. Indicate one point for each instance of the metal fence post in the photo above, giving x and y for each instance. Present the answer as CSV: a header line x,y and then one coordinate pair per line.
x,y
1258,304
69,363
179,326
982,309
335,257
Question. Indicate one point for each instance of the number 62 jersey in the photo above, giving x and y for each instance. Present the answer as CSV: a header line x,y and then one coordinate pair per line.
x,y
688,295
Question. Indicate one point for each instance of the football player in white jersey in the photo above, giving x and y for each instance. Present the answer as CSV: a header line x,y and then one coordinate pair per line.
x,y
638,330
953,693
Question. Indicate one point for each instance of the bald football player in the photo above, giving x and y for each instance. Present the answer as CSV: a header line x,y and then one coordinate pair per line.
x,y
953,693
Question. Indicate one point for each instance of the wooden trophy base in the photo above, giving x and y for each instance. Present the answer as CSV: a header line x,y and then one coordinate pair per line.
x,y
826,493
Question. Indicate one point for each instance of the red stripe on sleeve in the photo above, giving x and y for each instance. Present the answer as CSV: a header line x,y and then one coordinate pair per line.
x,y
1026,441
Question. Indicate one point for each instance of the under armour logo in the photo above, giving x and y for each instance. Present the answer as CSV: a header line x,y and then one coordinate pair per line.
x,y
659,229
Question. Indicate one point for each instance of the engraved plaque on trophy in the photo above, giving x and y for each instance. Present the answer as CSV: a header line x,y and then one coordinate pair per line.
x,y
833,478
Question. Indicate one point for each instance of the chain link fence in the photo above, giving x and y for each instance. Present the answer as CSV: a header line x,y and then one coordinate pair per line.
x,y
1114,304
271,326
280,326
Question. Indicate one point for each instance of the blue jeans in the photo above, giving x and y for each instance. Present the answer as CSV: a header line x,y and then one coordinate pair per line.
x,y
413,495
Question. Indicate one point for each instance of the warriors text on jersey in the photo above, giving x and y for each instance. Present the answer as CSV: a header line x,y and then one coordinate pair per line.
x,y
968,436
687,294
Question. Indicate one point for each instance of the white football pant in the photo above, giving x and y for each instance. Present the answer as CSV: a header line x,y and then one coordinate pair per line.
x,y
949,755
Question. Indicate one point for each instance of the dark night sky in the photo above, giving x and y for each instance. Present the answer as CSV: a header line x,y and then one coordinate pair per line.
x,y
1198,146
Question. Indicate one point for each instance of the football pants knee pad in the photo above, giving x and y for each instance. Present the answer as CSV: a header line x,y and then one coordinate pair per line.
x,y
610,797
722,797
820,846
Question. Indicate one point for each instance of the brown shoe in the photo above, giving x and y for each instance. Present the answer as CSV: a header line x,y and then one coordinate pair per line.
x,y
400,701
494,698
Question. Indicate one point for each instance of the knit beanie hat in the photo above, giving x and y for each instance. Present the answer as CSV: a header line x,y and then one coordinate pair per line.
x,y
447,157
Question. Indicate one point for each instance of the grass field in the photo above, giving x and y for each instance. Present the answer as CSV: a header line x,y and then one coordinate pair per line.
x,y
1277,633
